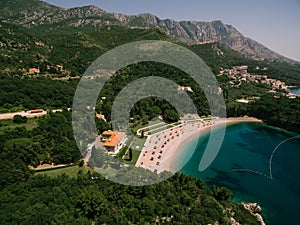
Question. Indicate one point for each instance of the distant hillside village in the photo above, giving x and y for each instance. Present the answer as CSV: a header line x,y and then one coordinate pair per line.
x,y
240,74
57,68
237,75
56,72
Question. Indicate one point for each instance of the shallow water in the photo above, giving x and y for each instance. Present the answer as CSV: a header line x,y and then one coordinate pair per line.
x,y
295,91
248,148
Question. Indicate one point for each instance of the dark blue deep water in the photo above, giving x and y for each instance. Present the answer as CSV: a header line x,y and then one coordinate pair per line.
x,y
249,146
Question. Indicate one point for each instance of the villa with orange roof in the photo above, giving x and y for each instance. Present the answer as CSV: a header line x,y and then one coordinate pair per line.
x,y
101,116
34,71
113,141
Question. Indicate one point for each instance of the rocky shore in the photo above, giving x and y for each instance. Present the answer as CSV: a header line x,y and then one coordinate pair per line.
x,y
255,210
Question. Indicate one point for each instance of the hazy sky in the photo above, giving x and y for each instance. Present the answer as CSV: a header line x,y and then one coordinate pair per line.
x,y
273,23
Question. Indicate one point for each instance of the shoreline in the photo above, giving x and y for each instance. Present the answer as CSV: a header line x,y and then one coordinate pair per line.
x,y
175,165
255,210
162,150
178,149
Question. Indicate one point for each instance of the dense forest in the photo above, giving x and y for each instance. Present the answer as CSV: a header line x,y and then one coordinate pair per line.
x,y
17,94
81,200
147,109
51,141
280,112
25,93
29,198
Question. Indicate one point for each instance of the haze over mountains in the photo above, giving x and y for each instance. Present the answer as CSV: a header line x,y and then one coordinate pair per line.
x,y
43,16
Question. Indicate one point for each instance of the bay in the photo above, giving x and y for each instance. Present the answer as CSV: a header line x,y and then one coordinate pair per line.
x,y
243,165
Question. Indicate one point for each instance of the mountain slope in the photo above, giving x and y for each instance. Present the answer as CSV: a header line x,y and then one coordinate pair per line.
x,y
73,38
201,32
37,14
19,48
27,12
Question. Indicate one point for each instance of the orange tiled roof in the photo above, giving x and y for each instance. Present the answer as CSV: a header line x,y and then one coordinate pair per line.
x,y
34,70
100,116
114,139
108,132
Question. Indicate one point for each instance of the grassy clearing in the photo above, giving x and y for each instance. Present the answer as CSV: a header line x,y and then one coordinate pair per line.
x,y
9,124
122,152
107,171
134,152
138,143
176,124
129,140
135,156
71,171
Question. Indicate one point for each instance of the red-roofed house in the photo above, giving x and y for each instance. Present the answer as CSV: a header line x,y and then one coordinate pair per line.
x,y
34,70
114,141
101,116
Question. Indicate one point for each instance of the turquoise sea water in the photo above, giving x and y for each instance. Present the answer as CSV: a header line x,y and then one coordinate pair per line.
x,y
249,146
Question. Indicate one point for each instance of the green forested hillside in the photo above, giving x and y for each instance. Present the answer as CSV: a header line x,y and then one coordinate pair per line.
x,y
75,48
29,199
52,141
20,49
17,93
219,56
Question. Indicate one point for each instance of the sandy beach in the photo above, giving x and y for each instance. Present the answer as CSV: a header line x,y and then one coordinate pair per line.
x,y
160,148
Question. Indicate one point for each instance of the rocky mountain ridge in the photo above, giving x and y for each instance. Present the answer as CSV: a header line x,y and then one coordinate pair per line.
x,y
36,13
195,32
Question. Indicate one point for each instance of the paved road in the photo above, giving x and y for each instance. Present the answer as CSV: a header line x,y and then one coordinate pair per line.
x,y
7,116
88,153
